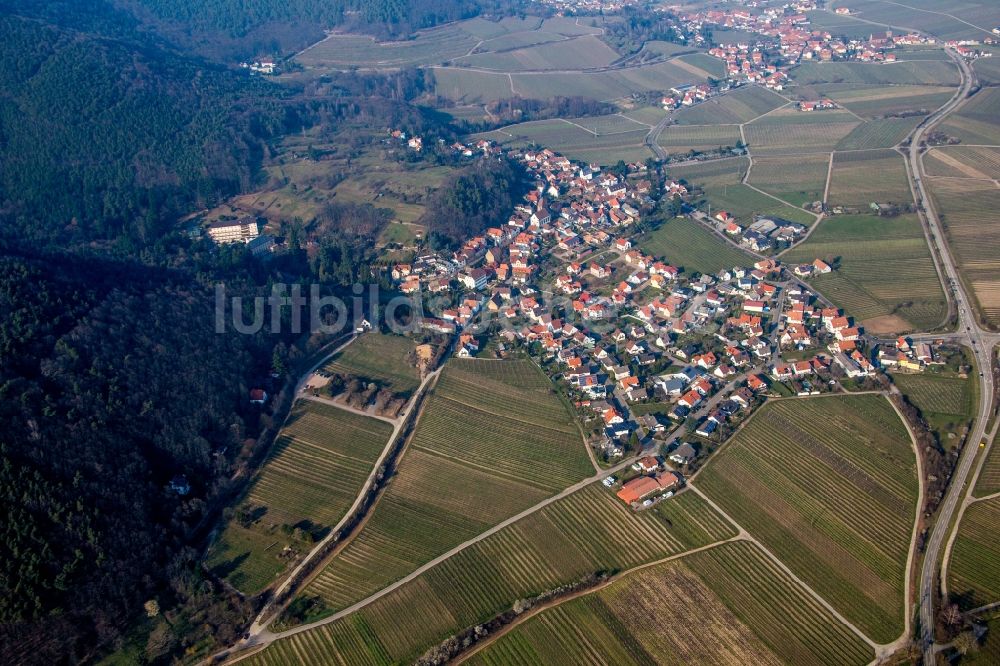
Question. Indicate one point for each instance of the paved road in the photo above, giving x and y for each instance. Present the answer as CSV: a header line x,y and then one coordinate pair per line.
x,y
981,343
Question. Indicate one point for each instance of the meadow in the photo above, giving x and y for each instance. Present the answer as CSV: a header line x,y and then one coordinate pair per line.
x,y
884,278
798,180
978,121
380,358
968,210
732,593
688,245
790,131
732,108
317,467
862,177
829,486
492,440
974,568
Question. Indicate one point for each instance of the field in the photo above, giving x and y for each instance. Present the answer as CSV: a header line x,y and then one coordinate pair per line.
x,y
319,463
493,439
797,180
860,178
790,131
968,209
683,138
978,163
715,172
978,122
688,245
926,15
884,133
989,476
906,72
974,568
705,608
604,139
584,52
829,486
879,101
734,107
745,203
885,277
936,395
379,358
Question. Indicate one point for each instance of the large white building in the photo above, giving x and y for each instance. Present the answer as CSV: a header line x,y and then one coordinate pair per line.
x,y
242,230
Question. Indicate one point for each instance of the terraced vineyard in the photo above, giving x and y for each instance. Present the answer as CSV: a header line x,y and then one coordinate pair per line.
x,y
687,244
319,463
860,178
797,180
493,439
967,208
974,569
731,593
885,277
829,486
379,358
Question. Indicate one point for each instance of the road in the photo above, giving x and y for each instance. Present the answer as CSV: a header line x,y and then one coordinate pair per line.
x,y
969,332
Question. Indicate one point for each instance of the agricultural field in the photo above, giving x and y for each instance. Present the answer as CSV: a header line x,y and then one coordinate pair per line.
x,y
318,466
380,358
968,210
604,139
935,394
884,133
885,277
745,203
717,593
839,25
974,568
989,476
860,178
926,16
790,131
684,138
829,485
583,52
876,102
466,86
493,439
728,171
734,107
938,73
975,162
988,69
799,180
978,121
690,246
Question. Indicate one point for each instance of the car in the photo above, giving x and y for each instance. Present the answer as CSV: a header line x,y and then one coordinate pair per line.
x,y
648,502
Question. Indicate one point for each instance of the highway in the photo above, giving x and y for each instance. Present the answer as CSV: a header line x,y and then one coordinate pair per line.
x,y
969,332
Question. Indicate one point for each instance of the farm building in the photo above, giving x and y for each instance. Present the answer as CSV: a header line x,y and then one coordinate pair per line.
x,y
643,486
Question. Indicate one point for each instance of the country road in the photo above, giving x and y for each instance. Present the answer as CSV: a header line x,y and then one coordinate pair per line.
x,y
981,343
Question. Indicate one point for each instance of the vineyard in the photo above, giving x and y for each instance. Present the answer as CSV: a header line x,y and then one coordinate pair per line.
x,y
714,172
582,52
860,178
880,101
380,358
737,106
604,139
746,204
493,439
989,476
319,464
974,570
907,72
829,485
687,244
791,131
684,138
937,394
977,121
884,133
967,208
885,277
978,162
798,180
728,604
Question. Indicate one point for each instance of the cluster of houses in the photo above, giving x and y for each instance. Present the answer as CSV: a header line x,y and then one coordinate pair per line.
x,y
687,94
761,235
907,355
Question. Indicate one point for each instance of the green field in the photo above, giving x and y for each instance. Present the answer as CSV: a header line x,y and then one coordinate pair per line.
x,y
974,568
604,139
885,278
492,440
860,178
726,605
937,395
884,133
734,107
880,101
745,204
798,180
829,485
683,138
728,171
318,465
790,131
588,531
978,121
968,209
688,245
906,72
380,358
